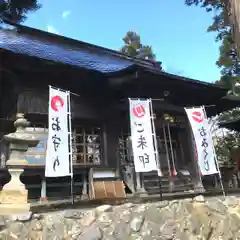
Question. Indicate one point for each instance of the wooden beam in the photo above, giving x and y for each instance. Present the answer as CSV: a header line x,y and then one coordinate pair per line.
x,y
157,105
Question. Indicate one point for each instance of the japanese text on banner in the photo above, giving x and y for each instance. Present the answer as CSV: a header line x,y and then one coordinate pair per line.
x,y
142,136
57,157
203,140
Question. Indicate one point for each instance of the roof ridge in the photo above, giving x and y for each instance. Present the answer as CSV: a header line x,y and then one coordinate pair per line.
x,y
149,65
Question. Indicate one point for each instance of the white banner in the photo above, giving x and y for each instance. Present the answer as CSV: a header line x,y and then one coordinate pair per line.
x,y
203,139
57,156
142,136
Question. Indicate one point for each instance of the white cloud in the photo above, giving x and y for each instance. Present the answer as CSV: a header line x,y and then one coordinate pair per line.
x,y
66,14
51,29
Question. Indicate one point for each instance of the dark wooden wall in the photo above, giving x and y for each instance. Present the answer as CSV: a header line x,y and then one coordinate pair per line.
x,y
29,94
83,109
34,102
113,126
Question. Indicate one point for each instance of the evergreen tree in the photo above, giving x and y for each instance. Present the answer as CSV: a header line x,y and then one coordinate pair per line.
x,y
16,10
134,48
227,61
230,71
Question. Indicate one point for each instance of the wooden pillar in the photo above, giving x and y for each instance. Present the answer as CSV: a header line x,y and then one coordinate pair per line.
x,y
111,144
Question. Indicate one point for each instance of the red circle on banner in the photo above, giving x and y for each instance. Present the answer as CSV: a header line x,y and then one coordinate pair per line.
x,y
197,117
139,111
57,103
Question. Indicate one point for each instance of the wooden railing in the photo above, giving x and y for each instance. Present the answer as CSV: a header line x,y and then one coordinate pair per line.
x,y
86,149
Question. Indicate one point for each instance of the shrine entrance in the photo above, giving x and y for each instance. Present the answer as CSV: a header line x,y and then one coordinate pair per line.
x,y
173,143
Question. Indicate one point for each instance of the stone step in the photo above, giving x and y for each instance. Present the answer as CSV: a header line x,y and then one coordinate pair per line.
x,y
166,188
152,183
157,185
177,180
167,180
165,191
156,179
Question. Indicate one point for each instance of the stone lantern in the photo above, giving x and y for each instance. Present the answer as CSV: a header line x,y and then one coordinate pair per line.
x,y
14,195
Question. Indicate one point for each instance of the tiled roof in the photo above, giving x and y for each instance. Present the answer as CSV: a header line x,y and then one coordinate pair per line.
x,y
48,46
67,54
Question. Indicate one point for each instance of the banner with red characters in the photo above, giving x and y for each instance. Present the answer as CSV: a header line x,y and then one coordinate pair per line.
x,y
203,139
57,156
142,136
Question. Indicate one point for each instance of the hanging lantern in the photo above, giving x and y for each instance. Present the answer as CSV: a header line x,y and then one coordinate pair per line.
x,y
168,118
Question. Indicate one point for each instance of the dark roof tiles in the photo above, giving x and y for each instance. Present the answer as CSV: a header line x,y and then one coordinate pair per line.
x,y
45,49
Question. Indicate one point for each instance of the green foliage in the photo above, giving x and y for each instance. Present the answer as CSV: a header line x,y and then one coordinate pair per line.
x,y
221,26
225,144
225,61
16,10
230,115
219,23
134,48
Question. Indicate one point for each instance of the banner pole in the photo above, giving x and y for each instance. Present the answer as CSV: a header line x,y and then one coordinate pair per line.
x,y
154,137
166,149
215,158
156,147
171,148
57,88
70,143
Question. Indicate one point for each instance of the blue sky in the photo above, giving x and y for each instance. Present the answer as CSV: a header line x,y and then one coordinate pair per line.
x,y
177,33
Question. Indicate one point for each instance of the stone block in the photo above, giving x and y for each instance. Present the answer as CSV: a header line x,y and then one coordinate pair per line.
x,y
7,209
13,201
10,196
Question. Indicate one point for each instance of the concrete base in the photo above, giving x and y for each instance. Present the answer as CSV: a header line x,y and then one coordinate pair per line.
x,y
84,197
43,199
199,188
141,193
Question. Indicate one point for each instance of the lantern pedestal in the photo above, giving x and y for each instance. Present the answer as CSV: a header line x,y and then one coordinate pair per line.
x,y
14,195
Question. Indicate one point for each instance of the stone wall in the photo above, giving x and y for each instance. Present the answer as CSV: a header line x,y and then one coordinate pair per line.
x,y
188,219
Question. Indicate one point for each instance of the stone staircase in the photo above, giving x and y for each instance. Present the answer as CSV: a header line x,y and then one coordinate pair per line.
x,y
155,184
